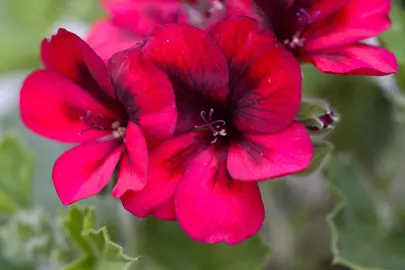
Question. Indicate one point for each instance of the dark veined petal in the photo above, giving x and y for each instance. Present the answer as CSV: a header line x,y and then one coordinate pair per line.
x,y
69,55
354,59
212,207
357,20
262,157
265,79
167,164
195,65
145,92
53,106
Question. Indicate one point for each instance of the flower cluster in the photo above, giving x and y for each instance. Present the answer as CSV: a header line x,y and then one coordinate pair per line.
x,y
192,103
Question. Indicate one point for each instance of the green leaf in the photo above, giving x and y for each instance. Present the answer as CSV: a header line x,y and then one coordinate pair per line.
x,y
322,149
99,252
25,24
166,244
31,235
16,167
360,240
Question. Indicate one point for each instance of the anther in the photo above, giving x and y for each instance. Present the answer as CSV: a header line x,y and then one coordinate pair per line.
x,y
214,126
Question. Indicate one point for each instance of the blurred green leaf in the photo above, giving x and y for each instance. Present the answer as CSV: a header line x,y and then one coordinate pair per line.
x,y
322,151
359,239
23,24
86,10
366,124
16,167
32,235
168,245
6,265
99,252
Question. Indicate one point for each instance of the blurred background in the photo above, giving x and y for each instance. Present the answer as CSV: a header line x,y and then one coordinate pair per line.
x,y
349,213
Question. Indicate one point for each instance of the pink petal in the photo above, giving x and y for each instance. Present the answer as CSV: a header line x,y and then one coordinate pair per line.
x,y
141,16
106,39
249,8
357,20
166,211
166,167
146,92
265,80
51,105
69,55
85,170
196,69
261,157
212,207
132,174
354,59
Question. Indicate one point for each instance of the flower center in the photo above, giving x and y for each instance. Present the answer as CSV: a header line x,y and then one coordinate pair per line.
x,y
217,127
293,35
99,122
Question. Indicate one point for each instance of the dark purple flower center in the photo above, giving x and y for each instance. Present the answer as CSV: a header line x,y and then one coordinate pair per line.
x,y
290,23
100,122
217,127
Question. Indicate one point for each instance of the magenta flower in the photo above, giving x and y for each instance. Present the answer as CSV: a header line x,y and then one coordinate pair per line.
x,y
73,100
129,23
237,94
327,33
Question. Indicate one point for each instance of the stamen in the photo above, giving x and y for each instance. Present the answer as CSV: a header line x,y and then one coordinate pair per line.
x,y
214,126
90,121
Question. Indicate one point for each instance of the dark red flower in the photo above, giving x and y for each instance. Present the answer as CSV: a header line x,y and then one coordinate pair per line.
x,y
237,94
327,33
73,100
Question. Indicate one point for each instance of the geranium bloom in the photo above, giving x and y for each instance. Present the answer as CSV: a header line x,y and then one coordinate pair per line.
x,y
237,93
131,20
327,33
73,100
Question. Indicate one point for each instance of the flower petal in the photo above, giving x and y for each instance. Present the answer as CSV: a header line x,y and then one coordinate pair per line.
x,y
132,174
212,207
166,167
52,106
249,8
106,39
354,59
166,211
69,55
142,15
357,20
265,80
84,170
197,70
262,157
146,93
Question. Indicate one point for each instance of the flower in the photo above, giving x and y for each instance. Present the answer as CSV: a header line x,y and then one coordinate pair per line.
x,y
327,33
73,100
130,22
237,93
